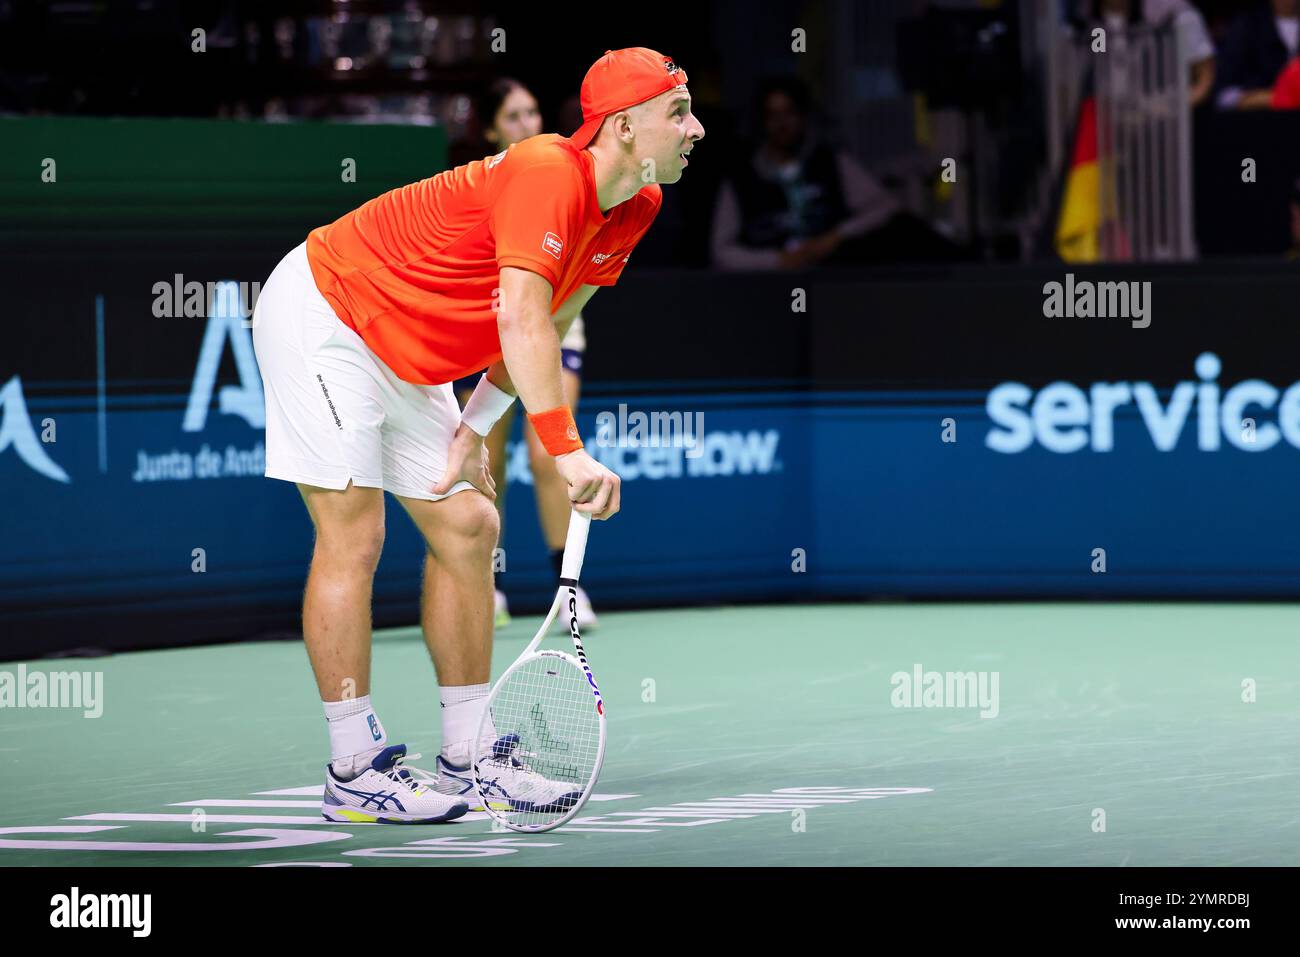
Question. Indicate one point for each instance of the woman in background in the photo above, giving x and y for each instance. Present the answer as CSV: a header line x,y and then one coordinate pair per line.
x,y
507,113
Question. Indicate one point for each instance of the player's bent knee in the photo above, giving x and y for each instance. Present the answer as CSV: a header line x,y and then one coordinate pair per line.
x,y
472,517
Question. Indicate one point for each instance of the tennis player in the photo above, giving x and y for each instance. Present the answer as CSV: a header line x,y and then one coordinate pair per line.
x,y
509,113
359,333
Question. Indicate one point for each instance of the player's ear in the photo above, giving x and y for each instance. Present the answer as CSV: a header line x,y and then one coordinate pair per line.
x,y
622,123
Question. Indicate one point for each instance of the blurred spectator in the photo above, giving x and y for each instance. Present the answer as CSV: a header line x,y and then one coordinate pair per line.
x,y
1198,48
508,113
504,112
796,202
1257,47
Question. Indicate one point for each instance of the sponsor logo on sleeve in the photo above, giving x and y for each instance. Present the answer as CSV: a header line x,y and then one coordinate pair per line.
x,y
553,244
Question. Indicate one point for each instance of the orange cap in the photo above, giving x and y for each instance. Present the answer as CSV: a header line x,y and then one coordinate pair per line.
x,y
623,78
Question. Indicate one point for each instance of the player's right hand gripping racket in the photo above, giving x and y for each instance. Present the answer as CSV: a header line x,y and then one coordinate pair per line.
x,y
541,740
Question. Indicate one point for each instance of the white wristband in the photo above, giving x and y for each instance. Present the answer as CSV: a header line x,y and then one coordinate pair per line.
x,y
485,406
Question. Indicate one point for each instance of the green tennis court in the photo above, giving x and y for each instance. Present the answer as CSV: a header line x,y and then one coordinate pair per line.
x,y
1118,734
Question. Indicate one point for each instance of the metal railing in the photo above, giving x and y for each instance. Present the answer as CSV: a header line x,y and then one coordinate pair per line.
x,y
1144,150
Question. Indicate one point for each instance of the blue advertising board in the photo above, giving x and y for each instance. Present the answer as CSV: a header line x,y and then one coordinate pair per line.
x,y
1106,489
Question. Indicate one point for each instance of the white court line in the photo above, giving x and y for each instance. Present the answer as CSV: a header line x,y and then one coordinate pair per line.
x,y
685,812
210,819
244,802
578,829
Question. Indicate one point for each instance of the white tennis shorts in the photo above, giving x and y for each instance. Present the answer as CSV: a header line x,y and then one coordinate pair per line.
x,y
334,411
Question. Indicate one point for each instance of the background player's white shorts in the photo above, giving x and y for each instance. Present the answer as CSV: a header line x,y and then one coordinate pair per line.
x,y
334,411
576,338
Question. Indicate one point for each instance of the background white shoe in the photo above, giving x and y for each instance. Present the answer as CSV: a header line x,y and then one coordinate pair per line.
x,y
586,616
501,613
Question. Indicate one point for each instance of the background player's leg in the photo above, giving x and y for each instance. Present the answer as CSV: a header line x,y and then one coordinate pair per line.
x,y
496,445
553,506
497,462
456,606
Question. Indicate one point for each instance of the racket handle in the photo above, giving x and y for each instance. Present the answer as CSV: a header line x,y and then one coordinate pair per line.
x,y
575,546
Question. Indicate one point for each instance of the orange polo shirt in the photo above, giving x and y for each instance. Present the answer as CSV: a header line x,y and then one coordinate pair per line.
x,y
413,271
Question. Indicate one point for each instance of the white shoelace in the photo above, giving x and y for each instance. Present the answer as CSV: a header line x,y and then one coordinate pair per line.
x,y
398,769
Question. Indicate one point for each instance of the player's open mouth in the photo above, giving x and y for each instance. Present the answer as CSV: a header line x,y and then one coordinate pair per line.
x,y
685,161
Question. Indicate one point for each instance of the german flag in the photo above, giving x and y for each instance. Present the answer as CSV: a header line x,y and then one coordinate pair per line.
x,y
1078,223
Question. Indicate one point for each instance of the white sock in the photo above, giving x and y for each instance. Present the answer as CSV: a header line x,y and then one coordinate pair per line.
x,y
356,735
462,708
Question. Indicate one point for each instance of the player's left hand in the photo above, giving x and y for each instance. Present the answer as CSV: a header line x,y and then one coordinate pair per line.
x,y
467,461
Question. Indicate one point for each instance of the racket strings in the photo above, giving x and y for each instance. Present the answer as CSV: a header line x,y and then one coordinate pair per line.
x,y
548,706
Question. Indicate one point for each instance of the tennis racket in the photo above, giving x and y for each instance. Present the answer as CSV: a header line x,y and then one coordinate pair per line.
x,y
541,740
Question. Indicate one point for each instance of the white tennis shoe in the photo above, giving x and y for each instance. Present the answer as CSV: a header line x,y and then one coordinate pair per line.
x,y
509,784
387,793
